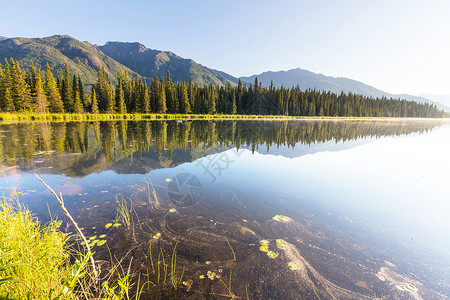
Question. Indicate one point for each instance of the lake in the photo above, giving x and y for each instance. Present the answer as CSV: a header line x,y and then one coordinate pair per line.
x,y
260,209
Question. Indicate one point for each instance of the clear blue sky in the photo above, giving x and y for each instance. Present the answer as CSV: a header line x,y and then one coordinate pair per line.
x,y
400,46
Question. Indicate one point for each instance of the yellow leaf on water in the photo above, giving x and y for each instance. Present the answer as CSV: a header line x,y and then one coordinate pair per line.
x,y
264,248
168,179
103,191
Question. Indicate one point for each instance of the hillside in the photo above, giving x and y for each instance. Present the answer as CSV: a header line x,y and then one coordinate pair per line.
x,y
306,79
149,62
82,58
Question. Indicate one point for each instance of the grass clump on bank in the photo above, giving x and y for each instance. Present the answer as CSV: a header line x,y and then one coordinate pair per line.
x,y
35,259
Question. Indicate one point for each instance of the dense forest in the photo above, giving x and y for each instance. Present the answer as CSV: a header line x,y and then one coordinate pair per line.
x,y
32,91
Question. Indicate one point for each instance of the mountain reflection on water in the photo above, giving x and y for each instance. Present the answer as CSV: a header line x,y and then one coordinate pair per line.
x,y
224,181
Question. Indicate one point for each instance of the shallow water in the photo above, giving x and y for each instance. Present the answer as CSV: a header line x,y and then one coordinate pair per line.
x,y
364,203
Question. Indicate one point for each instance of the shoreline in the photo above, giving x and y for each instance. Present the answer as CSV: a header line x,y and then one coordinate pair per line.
x,y
6,117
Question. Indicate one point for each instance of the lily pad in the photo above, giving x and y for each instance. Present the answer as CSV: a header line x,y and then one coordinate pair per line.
x,y
264,248
101,242
272,254
281,218
264,242
281,244
293,266
108,225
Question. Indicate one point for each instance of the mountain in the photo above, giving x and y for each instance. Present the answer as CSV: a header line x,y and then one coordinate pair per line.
x,y
306,79
444,99
2,38
149,62
82,58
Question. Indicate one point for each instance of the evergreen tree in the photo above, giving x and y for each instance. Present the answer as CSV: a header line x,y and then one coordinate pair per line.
x,y
94,102
145,99
78,106
111,101
233,104
105,96
120,99
6,101
162,100
191,95
171,99
51,90
32,80
20,90
41,104
66,90
185,106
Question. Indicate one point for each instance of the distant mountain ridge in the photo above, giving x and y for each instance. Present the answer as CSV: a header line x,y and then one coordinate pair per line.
x,y
310,80
84,59
149,62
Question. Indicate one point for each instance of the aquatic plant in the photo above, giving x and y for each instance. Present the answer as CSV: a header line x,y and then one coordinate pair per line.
x,y
83,282
272,254
174,278
232,251
281,218
281,244
123,212
151,193
293,266
264,242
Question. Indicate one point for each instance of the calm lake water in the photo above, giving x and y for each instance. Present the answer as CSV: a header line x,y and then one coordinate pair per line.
x,y
358,207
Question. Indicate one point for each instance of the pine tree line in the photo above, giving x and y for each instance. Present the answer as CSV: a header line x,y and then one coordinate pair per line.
x,y
30,91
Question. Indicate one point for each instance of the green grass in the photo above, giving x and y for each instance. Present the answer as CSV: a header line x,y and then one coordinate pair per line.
x,y
38,262
35,259
123,212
